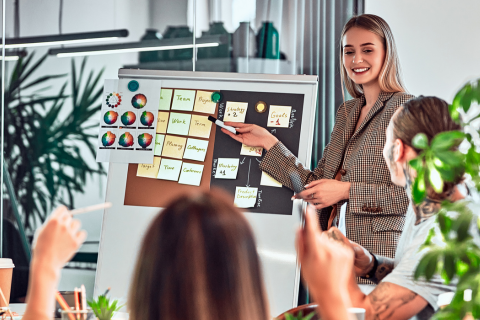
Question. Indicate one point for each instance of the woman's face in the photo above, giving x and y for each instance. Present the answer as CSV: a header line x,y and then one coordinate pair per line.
x,y
363,55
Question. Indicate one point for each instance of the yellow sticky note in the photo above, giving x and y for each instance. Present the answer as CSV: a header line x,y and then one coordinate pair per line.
x,y
204,103
245,197
149,170
251,151
235,111
279,116
162,122
267,180
173,147
200,126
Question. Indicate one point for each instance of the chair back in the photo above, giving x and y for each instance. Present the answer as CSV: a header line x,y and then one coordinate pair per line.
x,y
306,309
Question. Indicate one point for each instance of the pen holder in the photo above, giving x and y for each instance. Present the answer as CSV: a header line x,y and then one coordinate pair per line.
x,y
78,315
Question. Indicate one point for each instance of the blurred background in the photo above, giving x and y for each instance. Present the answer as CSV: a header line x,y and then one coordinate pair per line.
x,y
58,53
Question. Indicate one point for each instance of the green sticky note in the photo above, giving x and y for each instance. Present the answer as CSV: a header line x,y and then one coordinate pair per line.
x,y
159,144
165,99
179,123
183,100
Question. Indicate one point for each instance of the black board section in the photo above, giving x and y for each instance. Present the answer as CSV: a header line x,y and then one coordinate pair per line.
x,y
273,200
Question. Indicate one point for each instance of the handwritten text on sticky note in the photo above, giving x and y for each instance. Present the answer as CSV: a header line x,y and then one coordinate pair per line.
x,y
191,174
173,147
200,127
179,123
169,169
251,151
196,149
165,99
149,170
204,103
235,111
245,197
279,116
227,168
183,100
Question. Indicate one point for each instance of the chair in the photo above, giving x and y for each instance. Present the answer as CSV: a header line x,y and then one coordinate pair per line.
x,y
306,309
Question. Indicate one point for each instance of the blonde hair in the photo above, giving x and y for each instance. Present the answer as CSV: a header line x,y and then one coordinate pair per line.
x,y
390,78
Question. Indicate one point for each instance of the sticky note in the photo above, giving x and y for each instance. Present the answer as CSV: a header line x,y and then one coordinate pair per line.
x,y
169,169
235,111
183,100
204,103
179,123
162,122
196,149
191,174
200,126
227,168
267,180
251,151
279,116
245,197
173,147
149,170
165,99
159,139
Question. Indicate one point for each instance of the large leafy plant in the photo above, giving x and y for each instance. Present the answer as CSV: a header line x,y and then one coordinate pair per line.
x,y
439,162
44,136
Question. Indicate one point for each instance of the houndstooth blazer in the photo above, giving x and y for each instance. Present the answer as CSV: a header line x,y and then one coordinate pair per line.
x,y
376,209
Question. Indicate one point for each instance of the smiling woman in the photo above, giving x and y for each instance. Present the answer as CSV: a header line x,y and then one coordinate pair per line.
x,y
351,185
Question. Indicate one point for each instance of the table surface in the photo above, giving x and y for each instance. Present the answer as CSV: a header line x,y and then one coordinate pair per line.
x,y
20,309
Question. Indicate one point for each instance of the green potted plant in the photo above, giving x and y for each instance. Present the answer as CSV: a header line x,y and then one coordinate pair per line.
x,y
103,308
459,257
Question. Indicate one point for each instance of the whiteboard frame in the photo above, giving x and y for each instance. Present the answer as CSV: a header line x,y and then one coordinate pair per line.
x,y
275,247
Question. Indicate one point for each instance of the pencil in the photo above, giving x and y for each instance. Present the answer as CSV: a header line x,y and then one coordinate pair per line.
x,y
77,301
96,207
63,304
84,300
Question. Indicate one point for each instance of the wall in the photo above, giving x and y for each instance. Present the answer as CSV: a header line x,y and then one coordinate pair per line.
x,y
436,40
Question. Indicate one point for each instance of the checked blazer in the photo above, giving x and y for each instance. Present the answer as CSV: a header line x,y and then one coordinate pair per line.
x,y
376,208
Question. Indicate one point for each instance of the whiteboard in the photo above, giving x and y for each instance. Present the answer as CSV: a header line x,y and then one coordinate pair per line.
x,y
123,226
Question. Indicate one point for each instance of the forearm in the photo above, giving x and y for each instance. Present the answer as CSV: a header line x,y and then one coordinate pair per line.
x,y
41,291
332,304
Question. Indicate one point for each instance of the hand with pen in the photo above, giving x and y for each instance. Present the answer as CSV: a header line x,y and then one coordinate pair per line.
x,y
55,244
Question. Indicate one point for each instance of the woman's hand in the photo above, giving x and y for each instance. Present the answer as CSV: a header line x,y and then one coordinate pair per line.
x,y
58,239
251,135
324,192
327,267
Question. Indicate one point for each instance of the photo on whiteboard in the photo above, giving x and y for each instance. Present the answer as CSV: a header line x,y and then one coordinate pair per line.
x,y
109,119
147,120
145,141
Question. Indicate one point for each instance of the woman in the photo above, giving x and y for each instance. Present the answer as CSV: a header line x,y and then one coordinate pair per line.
x,y
199,261
352,173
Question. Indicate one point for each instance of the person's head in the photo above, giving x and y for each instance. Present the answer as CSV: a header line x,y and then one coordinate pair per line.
x,y
428,115
198,261
368,55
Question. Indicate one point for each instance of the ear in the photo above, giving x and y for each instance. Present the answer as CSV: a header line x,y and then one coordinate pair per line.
x,y
400,151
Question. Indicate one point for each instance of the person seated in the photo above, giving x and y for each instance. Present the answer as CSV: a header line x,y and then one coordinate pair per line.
x,y
398,295
198,260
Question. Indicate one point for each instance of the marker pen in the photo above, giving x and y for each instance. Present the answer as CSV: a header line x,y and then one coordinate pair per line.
x,y
221,124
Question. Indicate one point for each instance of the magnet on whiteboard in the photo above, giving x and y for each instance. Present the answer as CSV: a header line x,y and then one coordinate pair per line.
x,y
133,85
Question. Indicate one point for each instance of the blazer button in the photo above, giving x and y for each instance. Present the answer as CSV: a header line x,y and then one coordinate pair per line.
x,y
343,172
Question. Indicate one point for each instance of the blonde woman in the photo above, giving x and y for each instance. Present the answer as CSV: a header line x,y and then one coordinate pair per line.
x,y
351,186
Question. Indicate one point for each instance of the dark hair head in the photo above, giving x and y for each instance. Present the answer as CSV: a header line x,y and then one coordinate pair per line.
x,y
198,261
428,115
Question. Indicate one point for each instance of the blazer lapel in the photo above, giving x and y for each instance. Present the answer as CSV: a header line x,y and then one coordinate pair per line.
x,y
375,109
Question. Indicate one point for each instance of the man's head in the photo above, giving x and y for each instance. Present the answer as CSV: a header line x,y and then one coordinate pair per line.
x,y
428,115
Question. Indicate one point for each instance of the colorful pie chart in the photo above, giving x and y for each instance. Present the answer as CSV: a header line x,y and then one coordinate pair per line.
x,y
139,101
113,100
147,118
128,118
110,117
145,139
108,139
126,140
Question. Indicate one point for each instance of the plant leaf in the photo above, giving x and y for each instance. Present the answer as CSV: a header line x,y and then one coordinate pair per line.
x,y
420,141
